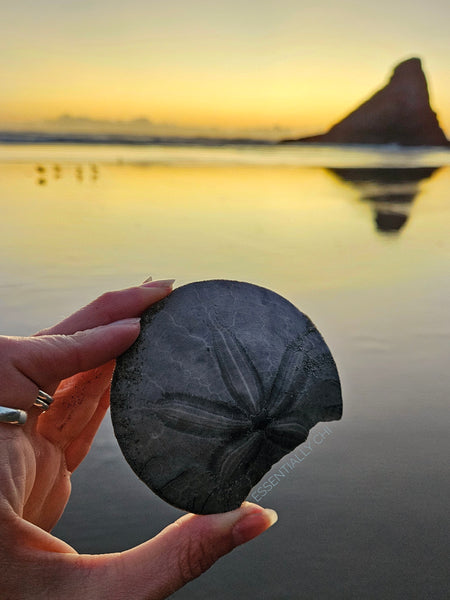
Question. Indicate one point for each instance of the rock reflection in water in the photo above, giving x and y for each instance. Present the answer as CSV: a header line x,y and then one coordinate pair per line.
x,y
391,191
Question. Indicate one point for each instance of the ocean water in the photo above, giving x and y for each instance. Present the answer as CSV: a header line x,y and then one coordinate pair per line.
x,y
358,238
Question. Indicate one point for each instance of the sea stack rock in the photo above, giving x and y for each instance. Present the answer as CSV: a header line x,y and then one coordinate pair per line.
x,y
399,113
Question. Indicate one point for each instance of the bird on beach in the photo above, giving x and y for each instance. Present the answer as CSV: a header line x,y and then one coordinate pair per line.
x,y
94,171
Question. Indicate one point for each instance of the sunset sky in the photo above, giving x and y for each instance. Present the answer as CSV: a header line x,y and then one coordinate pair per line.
x,y
214,65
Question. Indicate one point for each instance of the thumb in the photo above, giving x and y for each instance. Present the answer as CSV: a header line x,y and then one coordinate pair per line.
x,y
183,551
47,359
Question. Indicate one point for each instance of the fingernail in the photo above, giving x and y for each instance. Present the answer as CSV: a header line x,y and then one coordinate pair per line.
x,y
159,283
147,280
272,516
132,321
253,525
227,520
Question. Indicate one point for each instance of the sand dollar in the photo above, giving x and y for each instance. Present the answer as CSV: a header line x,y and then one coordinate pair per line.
x,y
224,379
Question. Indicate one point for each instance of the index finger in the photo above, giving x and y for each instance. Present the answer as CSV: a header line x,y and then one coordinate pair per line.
x,y
112,306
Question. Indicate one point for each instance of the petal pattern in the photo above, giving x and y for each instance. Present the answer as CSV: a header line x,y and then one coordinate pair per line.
x,y
198,416
287,434
290,379
239,374
250,422
237,457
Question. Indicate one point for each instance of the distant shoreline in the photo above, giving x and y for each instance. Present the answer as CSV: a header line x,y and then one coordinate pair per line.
x,y
32,137
98,139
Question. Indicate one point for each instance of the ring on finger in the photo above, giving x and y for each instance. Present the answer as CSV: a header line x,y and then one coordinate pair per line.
x,y
43,400
15,416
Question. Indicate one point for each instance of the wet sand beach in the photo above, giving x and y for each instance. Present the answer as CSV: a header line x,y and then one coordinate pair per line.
x,y
359,245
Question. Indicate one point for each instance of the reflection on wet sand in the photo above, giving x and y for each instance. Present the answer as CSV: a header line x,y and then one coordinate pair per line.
x,y
391,191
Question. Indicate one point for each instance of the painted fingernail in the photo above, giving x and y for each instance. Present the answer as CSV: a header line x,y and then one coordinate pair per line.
x,y
159,283
132,321
253,525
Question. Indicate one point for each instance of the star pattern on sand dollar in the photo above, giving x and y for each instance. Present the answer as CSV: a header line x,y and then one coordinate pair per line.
x,y
251,416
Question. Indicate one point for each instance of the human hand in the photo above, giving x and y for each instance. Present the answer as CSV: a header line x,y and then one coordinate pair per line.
x,y
74,361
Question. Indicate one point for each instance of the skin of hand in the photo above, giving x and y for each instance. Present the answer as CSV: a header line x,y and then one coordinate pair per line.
x,y
74,362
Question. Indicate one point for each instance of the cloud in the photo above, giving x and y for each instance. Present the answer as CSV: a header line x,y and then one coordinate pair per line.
x,y
82,124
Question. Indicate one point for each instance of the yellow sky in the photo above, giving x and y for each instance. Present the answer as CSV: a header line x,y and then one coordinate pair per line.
x,y
299,66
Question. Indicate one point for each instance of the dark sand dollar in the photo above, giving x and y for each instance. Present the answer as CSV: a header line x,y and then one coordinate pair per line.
x,y
224,379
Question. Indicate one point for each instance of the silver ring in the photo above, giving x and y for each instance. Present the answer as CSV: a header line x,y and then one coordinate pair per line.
x,y
14,416
43,400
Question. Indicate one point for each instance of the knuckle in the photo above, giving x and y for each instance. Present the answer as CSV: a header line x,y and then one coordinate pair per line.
x,y
194,558
111,306
67,348
77,354
103,304
10,345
